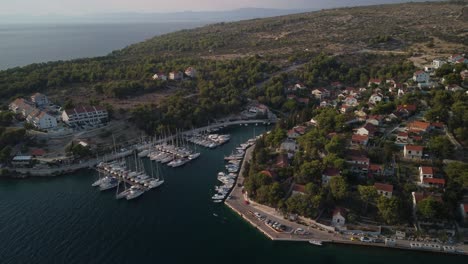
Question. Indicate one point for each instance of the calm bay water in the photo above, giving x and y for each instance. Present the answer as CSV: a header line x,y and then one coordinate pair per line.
x,y
25,44
65,220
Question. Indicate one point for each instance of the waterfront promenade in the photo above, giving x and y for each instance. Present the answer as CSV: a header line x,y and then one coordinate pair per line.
x,y
247,209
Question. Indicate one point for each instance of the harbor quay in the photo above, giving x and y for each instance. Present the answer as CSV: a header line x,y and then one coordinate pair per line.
x,y
42,171
250,210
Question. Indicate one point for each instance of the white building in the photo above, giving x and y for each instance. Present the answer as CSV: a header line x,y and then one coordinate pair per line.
x,y
22,107
85,115
40,99
421,77
375,98
191,72
41,120
338,218
160,76
383,189
176,76
437,63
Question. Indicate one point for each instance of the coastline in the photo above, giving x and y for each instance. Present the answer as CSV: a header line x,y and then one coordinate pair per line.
x,y
22,173
244,210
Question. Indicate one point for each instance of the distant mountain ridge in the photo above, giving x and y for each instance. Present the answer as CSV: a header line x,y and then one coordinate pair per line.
x,y
135,17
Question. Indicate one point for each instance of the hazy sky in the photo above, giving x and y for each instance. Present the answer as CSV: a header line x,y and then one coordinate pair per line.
x,y
41,7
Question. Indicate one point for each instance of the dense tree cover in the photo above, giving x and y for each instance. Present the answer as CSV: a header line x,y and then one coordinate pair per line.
x,y
390,209
79,151
451,73
452,109
220,90
9,138
441,147
431,209
339,188
367,194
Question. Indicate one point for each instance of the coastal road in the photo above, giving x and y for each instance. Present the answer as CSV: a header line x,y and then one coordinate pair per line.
x,y
247,209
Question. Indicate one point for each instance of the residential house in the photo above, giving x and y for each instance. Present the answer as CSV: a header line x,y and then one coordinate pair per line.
x,y
22,107
289,146
282,161
293,134
345,108
402,137
464,211
427,179
42,120
455,57
375,170
374,82
375,120
464,75
176,75
291,97
328,174
303,100
40,100
405,110
85,115
259,109
22,160
383,189
191,72
437,63
298,189
376,98
300,86
351,101
367,130
421,77
339,217
358,164
453,88
419,126
336,85
321,93
359,140
160,76
413,151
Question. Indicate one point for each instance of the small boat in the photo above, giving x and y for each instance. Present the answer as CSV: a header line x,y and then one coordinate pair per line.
x,y
316,242
134,193
193,156
143,153
217,201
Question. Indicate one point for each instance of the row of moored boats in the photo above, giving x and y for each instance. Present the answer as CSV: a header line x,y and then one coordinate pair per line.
x,y
228,179
116,174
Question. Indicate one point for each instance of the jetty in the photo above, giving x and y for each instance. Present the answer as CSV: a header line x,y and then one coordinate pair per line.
x,y
45,171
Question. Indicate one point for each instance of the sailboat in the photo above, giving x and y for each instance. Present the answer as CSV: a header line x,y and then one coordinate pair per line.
x,y
154,183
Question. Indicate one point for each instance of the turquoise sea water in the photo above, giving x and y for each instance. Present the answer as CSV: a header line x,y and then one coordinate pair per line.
x,y
65,220
25,44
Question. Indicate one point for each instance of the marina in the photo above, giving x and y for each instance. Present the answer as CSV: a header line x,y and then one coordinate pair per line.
x,y
152,227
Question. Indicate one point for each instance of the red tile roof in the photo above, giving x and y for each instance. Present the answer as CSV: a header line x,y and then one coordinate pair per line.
x,y
331,172
434,181
414,148
427,170
421,196
359,138
383,187
298,188
419,125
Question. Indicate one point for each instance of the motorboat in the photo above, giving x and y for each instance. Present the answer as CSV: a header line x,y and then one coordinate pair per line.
x,y
134,193
315,242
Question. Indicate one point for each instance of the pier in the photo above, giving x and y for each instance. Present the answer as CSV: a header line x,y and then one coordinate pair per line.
x,y
45,171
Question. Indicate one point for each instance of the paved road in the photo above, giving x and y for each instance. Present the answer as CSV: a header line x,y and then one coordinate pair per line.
x,y
247,210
